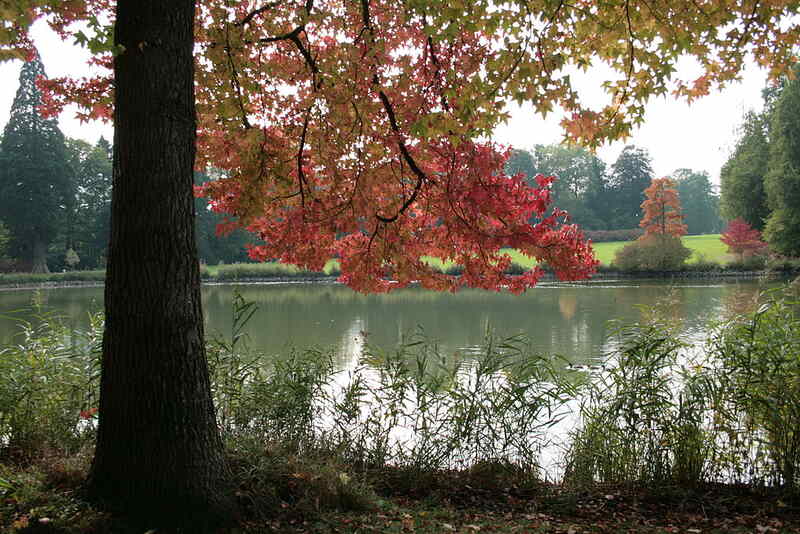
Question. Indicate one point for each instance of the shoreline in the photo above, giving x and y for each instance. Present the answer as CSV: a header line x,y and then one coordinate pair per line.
x,y
330,279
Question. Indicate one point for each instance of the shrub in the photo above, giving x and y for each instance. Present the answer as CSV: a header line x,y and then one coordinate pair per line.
x,y
242,271
48,385
702,264
653,253
742,240
748,263
783,264
71,258
71,276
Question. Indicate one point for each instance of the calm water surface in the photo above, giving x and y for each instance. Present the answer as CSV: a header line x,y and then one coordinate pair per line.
x,y
571,320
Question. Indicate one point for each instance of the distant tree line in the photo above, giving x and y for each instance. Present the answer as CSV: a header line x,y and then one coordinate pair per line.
x,y
601,198
760,182
55,195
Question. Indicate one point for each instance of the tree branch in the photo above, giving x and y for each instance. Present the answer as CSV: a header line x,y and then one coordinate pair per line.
x,y
387,106
250,16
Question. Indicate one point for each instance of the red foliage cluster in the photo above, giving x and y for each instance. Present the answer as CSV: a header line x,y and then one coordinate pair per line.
x,y
742,239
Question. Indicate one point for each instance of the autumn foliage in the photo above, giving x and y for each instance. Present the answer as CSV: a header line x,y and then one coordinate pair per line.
x,y
353,129
742,239
662,210
660,248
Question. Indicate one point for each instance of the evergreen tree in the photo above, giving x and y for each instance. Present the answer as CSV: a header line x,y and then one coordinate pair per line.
x,y
4,239
631,173
662,210
742,176
782,182
34,175
699,202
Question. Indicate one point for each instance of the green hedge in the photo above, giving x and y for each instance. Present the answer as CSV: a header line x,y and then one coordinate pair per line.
x,y
71,276
241,271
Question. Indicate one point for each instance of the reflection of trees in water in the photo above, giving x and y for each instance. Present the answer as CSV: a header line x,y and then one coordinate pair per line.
x,y
71,304
567,304
569,320
740,299
665,308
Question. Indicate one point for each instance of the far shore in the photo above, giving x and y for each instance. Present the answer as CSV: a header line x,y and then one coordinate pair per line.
x,y
333,279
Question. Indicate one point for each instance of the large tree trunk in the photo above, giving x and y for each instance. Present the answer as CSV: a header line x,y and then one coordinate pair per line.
x,y
158,452
39,257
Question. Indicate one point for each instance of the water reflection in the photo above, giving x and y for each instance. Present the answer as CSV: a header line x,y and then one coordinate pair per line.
x,y
571,320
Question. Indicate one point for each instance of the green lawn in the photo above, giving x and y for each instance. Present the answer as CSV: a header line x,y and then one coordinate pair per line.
x,y
707,247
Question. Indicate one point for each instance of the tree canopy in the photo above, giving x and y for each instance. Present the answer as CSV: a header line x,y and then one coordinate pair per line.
x,y
355,126
760,181
742,177
631,173
89,210
782,181
699,201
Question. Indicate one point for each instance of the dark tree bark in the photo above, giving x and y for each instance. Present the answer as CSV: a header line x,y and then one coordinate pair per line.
x,y
158,452
39,257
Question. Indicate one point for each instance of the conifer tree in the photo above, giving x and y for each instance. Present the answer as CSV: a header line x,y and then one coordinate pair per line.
x,y
662,210
34,176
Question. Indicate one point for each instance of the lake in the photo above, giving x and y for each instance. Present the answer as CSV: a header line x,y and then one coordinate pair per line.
x,y
567,319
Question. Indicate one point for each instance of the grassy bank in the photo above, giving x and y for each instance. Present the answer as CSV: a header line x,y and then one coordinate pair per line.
x,y
665,435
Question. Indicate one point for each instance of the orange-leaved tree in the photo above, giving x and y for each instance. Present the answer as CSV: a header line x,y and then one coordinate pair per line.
x,y
742,239
660,248
349,129
662,210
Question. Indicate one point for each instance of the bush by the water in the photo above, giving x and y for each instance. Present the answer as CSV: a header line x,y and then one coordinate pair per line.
x,y
242,271
48,379
653,253
783,264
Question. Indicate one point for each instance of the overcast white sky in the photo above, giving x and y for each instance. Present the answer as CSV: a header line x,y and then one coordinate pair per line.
x,y
698,137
